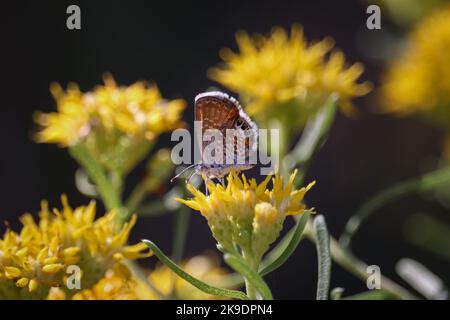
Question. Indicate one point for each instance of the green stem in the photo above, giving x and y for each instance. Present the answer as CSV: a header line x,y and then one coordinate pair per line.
x,y
250,290
108,194
257,285
425,183
117,181
250,263
180,234
179,239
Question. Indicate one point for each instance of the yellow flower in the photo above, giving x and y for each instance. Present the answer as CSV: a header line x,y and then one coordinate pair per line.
x,y
418,81
112,286
283,76
71,123
35,259
136,110
117,124
248,214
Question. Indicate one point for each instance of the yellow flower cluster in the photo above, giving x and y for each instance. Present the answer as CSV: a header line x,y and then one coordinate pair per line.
x,y
282,74
419,80
248,214
35,259
137,110
115,287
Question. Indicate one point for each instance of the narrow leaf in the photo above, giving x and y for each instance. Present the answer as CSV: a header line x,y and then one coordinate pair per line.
x,y
280,254
192,280
323,255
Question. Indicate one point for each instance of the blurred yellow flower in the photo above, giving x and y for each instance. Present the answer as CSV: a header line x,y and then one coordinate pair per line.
x,y
136,110
117,124
116,287
248,214
112,286
418,81
283,76
35,259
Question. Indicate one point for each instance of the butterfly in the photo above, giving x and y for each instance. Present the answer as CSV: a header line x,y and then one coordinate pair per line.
x,y
220,112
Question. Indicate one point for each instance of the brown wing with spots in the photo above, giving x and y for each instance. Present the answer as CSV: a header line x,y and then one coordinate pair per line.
x,y
215,112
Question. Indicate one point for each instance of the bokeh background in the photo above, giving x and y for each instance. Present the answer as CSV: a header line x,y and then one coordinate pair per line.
x,y
173,44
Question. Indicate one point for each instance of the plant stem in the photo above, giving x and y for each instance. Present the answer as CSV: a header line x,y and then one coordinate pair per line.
x,y
107,192
179,239
249,288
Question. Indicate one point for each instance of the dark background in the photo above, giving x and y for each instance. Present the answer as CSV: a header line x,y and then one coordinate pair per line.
x,y
173,44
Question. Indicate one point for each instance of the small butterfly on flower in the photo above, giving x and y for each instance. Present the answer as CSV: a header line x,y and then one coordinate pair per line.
x,y
235,136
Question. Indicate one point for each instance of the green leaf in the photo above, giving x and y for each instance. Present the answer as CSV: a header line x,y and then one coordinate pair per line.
x,y
280,254
192,280
323,255
238,264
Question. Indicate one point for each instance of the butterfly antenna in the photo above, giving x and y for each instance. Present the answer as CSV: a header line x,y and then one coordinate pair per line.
x,y
183,171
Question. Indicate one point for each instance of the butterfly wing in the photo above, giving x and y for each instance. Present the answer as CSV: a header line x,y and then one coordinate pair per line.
x,y
245,142
217,110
